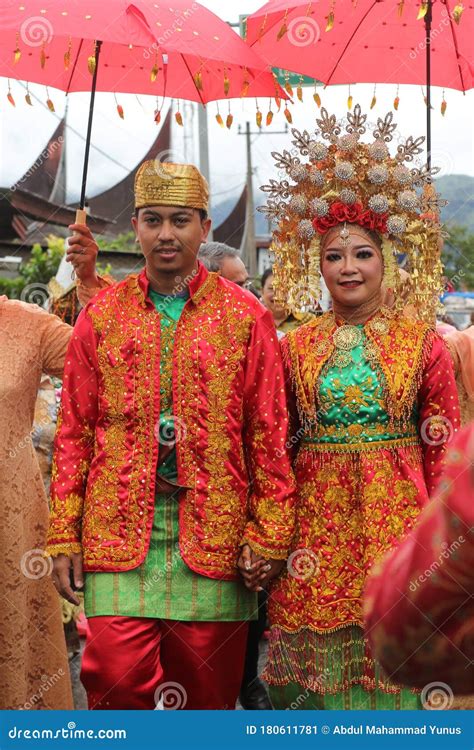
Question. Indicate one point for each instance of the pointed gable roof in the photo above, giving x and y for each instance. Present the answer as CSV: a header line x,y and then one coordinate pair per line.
x,y
231,231
117,203
45,172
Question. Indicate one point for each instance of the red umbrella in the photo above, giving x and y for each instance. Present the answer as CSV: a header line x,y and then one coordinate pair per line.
x,y
425,42
184,51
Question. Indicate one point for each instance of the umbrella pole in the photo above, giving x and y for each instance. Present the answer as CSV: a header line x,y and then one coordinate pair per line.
x,y
428,19
81,213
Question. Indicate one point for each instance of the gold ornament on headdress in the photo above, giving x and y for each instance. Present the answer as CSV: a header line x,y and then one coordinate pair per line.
x,y
342,182
160,183
344,235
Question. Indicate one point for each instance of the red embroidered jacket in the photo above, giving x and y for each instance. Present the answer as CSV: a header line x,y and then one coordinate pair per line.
x,y
230,418
419,608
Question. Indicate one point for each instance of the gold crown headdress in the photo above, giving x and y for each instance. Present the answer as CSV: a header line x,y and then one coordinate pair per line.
x,y
349,182
160,183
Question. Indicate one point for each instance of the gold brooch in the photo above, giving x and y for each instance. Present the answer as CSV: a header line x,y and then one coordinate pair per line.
x,y
347,337
379,327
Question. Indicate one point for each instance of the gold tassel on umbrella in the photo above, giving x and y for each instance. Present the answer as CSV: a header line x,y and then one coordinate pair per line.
x,y
258,116
157,113
67,55
226,83
119,109
17,51
269,113
179,117
10,95
283,28
299,90
230,119
349,100
28,96
91,61
49,101
444,104
155,70
457,12
396,101
330,17
219,119
423,11
374,98
316,97
43,56
246,83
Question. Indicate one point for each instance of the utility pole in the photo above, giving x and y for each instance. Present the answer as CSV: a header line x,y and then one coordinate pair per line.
x,y
204,150
250,244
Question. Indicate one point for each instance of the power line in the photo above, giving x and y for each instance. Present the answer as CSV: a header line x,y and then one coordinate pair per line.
x,y
76,132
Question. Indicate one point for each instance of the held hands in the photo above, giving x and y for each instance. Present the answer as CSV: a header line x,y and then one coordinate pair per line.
x,y
61,580
82,253
255,570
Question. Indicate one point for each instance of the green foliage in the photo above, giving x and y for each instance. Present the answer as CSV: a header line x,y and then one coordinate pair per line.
x,y
41,267
122,243
458,190
43,264
458,257
11,287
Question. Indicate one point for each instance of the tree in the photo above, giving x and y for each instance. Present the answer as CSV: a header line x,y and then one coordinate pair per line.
x,y
458,257
40,268
122,243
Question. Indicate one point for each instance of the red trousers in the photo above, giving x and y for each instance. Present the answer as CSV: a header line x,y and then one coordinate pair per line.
x,y
141,663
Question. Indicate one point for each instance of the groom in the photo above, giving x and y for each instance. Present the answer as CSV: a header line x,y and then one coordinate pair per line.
x,y
169,463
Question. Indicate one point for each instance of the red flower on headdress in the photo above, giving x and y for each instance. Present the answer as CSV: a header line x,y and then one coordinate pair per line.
x,y
354,214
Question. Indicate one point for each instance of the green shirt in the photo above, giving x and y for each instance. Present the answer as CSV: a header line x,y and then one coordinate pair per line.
x,y
163,586
351,402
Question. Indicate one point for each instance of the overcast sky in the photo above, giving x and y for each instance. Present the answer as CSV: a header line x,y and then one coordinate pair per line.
x,y
25,131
